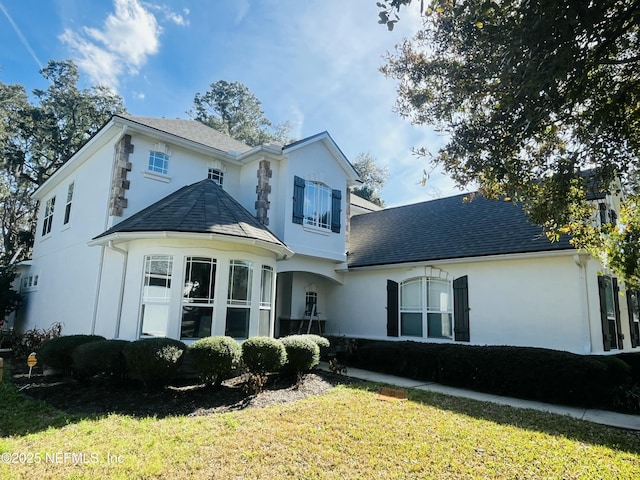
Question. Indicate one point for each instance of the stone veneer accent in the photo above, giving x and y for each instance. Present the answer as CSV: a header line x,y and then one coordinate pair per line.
x,y
119,185
263,189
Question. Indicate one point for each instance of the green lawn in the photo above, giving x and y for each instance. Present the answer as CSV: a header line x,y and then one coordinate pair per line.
x,y
346,433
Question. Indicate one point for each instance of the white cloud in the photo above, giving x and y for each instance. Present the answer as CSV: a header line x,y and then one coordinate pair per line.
x,y
128,37
170,15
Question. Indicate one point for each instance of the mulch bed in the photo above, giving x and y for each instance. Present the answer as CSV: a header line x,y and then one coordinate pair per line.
x,y
183,397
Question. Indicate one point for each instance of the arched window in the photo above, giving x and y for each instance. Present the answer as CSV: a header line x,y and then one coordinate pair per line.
x,y
426,308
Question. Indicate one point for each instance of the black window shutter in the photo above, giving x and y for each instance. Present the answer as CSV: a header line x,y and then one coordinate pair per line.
x,y
298,200
393,308
606,335
616,301
461,309
603,213
336,197
633,326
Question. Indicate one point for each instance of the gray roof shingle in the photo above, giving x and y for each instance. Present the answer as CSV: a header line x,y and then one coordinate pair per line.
x,y
191,130
203,207
444,229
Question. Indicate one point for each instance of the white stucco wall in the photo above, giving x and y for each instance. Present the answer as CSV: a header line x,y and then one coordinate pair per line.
x,y
537,302
313,162
67,268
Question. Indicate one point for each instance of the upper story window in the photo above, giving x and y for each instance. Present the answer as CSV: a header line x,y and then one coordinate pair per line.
x,y
159,162
67,208
426,308
316,205
48,216
216,175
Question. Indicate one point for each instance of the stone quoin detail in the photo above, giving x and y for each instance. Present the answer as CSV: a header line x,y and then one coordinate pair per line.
x,y
263,189
120,184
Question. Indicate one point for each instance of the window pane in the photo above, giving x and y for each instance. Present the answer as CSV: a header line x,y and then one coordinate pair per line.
x,y
411,324
439,325
237,325
411,295
608,298
199,280
635,310
266,287
154,319
196,322
438,296
240,274
310,207
157,281
265,323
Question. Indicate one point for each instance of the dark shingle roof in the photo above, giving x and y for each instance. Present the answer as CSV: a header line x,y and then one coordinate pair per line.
x,y
191,130
444,229
202,207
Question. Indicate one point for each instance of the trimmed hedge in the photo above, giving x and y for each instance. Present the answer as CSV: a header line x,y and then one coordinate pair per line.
x,y
154,361
303,353
322,342
534,373
261,355
56,352
100,357
215,358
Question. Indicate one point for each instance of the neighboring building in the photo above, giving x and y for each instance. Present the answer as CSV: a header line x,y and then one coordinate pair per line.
x,y
167,227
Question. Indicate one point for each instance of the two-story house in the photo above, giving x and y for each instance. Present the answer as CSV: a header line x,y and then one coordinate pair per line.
x,y
168,227
165,227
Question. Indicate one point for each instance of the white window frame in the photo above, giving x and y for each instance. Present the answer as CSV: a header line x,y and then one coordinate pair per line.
x,y
217,175
207,301
148,300
316,197
158,162
234,303
425,308
67,207
48,216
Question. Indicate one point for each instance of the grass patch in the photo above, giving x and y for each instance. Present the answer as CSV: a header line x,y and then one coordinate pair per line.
x,y
346,433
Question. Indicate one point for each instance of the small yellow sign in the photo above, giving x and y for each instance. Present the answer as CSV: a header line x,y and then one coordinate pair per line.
x,y
32,361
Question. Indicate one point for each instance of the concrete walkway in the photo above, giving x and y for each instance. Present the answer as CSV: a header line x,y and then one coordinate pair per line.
x,y
604,417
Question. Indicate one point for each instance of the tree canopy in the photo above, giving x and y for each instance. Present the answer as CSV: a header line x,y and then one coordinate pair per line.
x,y
36,138
231,108
373,178
532,94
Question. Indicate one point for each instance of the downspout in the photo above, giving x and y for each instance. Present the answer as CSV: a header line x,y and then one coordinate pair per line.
x,y
106,226
581,261
96,296
122,280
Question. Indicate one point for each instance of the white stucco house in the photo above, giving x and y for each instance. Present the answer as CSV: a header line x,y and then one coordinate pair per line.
x,y
165,227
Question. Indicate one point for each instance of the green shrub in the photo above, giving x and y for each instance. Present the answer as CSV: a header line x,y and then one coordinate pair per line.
x,y
56,352
534,373
154,361
215,358
261,355
633,360
100,357
322,342
302,353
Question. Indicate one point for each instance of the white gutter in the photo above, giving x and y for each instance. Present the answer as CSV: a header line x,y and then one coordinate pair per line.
x,y
487,258
282,250
581,260
122,284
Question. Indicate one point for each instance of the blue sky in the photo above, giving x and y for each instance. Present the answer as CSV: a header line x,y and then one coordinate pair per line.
x,y
313,63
